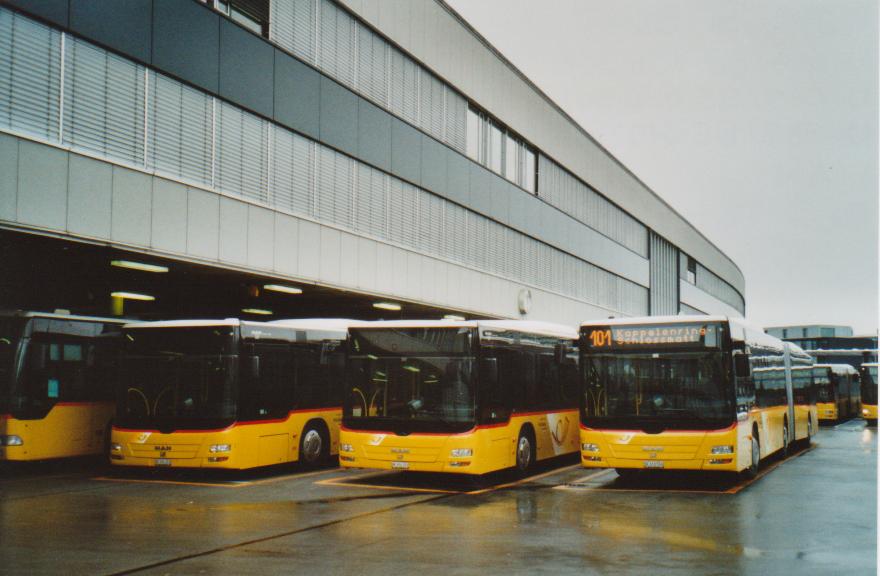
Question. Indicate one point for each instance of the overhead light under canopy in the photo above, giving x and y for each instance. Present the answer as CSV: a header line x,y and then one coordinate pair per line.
x,y
282,288
143,267
133,296
386,306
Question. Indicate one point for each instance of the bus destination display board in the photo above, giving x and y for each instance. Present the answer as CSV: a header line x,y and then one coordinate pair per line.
x,y
688,335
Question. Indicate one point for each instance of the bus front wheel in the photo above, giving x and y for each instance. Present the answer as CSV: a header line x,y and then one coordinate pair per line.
x,y
752,470
314,445
525,450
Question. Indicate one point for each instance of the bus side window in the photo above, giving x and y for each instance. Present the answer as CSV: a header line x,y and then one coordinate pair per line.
x,y
497,394
269,395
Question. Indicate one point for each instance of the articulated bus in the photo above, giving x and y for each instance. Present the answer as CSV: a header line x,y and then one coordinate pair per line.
x,y
229,393
56,384
839,396
469,397
693,393
868,373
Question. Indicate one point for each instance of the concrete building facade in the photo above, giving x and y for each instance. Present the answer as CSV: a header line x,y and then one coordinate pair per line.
x,y
381,148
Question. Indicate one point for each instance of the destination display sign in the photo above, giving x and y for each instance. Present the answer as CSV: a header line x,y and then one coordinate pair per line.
x,y
652,335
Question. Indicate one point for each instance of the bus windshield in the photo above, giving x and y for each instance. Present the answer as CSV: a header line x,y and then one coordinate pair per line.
x,y
10,332
178,378
411,380
824,387
666,390
869,385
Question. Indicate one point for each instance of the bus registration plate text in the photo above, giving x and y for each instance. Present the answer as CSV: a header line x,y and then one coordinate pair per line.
x,y
163,462
653,463
400,465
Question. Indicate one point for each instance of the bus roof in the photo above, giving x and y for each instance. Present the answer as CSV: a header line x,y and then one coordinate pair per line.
x,y
529,326
837,368
58,316
340,324
306,329
657,320
871,364
184,323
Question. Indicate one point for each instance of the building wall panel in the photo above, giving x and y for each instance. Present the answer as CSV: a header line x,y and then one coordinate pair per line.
x,y
297,92
233,234
285,244
125,26
246,68
186,42
260,238
169,217
374,135
203,224
42,185
89,196
9,181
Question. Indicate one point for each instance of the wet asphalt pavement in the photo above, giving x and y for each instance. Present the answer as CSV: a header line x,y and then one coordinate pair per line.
x,y
813,513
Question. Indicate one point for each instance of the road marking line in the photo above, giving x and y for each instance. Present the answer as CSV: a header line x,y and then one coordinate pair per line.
x,y
220,484
523,480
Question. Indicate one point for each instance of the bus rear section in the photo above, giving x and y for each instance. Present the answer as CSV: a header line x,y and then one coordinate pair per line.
x,y
868,381
673,393
839,394
228,394
56,384
461,397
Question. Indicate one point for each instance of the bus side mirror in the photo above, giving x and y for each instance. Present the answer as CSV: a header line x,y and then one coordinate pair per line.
x,y
489,372
741,365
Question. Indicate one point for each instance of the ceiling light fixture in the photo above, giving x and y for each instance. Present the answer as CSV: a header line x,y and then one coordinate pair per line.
x,y
282,288
386,306
138,266
133,296
259,311
454,317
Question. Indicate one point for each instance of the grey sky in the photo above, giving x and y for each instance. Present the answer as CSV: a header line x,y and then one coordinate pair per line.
x,y
756,120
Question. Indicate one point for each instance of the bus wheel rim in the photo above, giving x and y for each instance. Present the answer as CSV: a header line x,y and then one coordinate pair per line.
x,y
524,452
312,445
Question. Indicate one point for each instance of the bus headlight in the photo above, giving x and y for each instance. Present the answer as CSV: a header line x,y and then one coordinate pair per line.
x,y
587,447
11,440
461,452
115,447
346,448
864,411
220,448
722,449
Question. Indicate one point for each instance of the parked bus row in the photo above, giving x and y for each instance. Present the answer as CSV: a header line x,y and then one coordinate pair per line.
x,y
700,393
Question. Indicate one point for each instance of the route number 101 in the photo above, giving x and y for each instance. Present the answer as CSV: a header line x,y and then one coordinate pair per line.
x,y
600,338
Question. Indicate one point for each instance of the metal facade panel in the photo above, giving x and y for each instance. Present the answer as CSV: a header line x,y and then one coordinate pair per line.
x,y
132,206
203,225
9,181
192,29
434,166
286,239
260,238
247,68
56,11
339,116
42,186
124,26
374,135
366,264
406,146
88,195
297,95
169,216
348,265
233,231
309,249
664,277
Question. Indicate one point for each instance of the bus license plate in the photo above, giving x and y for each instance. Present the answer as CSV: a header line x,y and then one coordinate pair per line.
x,y
400,465
163,462
653,463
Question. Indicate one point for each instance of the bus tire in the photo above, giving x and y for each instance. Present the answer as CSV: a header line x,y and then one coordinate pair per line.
x,y
314,444
525,450
752,470
786,449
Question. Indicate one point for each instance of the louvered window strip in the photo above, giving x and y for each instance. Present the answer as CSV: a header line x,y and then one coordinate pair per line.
x,y
180,130
337,44
104,103
193,137
30,76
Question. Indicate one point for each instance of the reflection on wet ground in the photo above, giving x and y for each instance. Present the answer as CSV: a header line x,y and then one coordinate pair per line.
x,y
813,513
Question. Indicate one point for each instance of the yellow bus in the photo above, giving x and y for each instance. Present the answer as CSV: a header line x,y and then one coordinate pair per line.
x,y
868,373
690,393
468,397
839,396
56,384
228,393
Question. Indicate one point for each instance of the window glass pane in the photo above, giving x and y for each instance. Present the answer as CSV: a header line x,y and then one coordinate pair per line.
x,y
473,134
494,148
72,353
529,171
511,154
